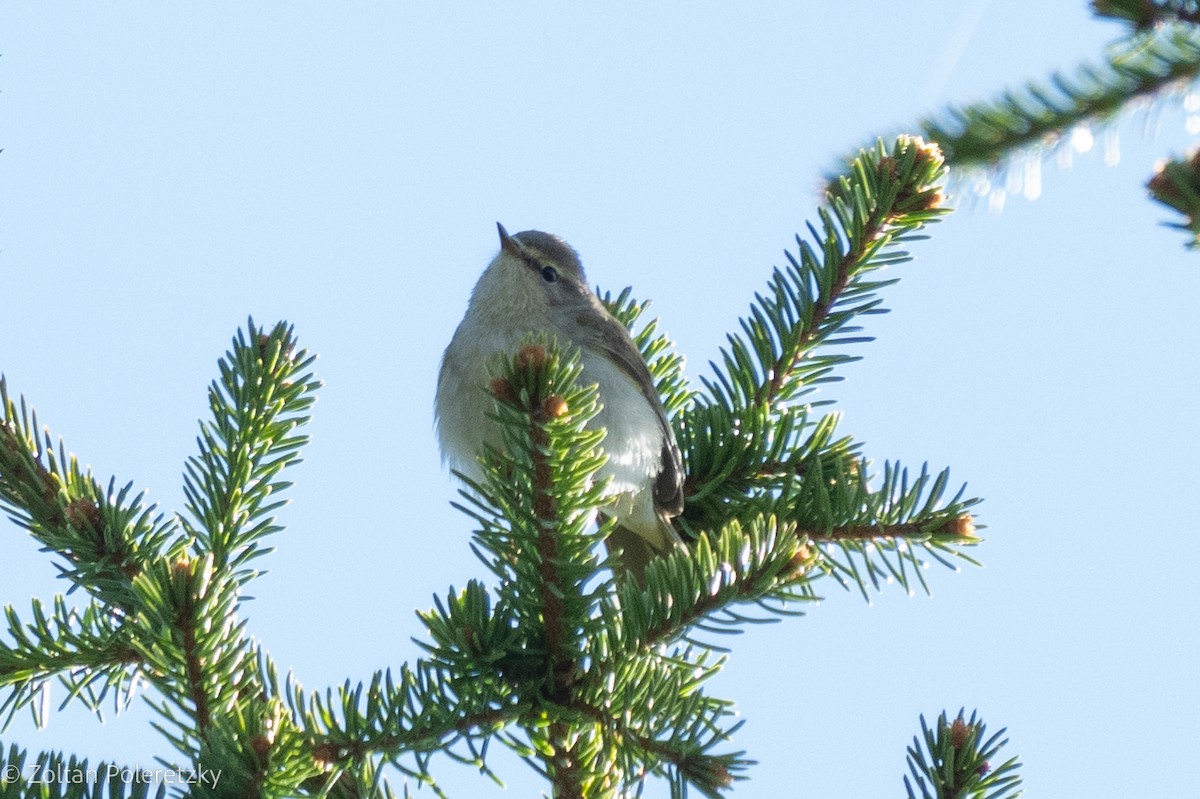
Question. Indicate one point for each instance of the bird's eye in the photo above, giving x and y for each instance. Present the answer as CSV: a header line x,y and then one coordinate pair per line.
x,y
549,274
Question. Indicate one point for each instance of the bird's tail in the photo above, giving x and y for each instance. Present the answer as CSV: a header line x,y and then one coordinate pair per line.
x,y
636,551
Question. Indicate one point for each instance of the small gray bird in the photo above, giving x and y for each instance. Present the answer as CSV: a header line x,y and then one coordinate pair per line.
x,y
536,284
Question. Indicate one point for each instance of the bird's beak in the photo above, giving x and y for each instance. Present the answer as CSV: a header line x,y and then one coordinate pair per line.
x,y
507,243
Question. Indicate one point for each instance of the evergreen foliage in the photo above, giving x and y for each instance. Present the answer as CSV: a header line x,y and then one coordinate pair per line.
x,y
597,682
1142,65
1176,185
953,760
1159,54
1145,15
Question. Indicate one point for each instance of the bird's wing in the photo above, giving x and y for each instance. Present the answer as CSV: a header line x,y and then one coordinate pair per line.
x,y
613,338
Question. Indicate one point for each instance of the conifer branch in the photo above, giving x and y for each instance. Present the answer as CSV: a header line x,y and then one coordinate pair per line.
x,y
954,761
886,198
749,427
428,709
1176,184
752,444
192,641
567,781
515,660
961,527
193,668
533,393
864,232
84,649
160,614
1147,15
561,663
709,773
742,565
263,396
984,134
104,536
597,682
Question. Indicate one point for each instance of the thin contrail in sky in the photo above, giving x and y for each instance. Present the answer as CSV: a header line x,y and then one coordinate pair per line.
x,y
955,47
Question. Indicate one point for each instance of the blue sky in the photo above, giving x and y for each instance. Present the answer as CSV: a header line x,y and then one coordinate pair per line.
x,y
169,170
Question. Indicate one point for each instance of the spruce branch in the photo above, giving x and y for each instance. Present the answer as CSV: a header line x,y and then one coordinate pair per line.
x,y
597,713
514,660
192,633
1176,184
597,682
551,590
88,651
1146,15
677,738
750,427
764,563
869,535
422,711
160,614
885,197
104,536
752,443
548,493
219,702
1037,115
954,761
264,394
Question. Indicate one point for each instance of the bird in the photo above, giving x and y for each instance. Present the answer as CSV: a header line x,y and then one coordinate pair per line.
x,y
536,285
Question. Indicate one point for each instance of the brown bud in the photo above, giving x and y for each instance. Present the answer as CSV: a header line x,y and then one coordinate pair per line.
x,y
554,406
927,151
959,731
83,514
326,754
962,527
926,201
1164,188
260,745
800,561
887,168
264,346
503,390
532,355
